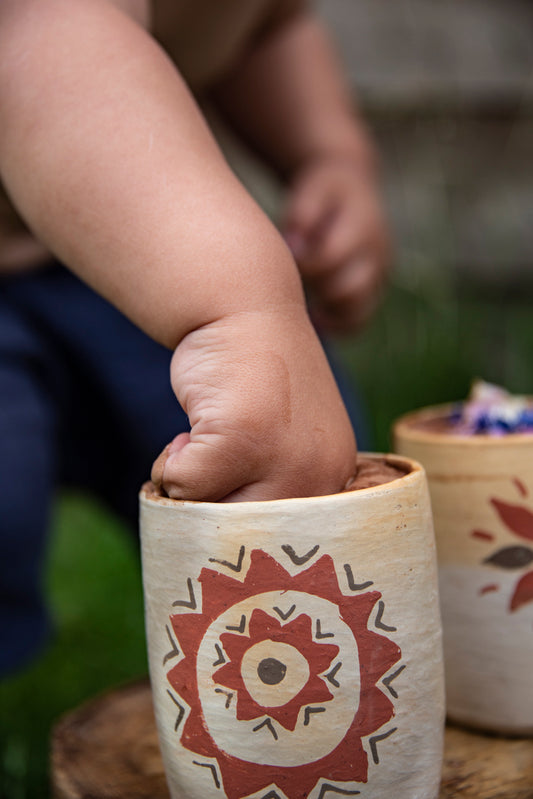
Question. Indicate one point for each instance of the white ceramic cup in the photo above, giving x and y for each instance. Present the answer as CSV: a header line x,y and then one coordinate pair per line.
x,y
482,496
295,645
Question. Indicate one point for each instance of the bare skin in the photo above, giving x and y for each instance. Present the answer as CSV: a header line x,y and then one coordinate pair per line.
x,y
291,102
335,228
125,174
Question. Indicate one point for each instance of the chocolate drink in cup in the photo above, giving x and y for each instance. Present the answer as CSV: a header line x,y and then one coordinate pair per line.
x,y
478,457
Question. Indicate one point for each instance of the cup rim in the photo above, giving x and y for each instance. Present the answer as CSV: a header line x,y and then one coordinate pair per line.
x,y
402,427
416,469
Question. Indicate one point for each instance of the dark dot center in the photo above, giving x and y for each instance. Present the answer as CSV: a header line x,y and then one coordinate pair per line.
x,y
271,671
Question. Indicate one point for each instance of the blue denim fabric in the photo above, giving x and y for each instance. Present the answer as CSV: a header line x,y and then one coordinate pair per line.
x,y
82,392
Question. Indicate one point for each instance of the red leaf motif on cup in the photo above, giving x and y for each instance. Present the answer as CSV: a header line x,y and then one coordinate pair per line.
x,y
518,519
523,592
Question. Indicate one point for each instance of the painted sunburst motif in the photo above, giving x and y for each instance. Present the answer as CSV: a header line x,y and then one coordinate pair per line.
x,y
262,662
280,674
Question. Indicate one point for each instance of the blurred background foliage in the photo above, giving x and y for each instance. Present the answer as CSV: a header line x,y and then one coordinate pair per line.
x,y
447,89
95,590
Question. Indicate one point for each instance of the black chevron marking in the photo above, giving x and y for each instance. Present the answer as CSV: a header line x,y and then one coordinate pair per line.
x,y
330,676
374,742
352,585
319,633
221,659
309,710
379,616
180,708
213,771
267,723
271,795
228,695
286,615
387,681
174,652
240,627
326,786
187,603
299,560
235,567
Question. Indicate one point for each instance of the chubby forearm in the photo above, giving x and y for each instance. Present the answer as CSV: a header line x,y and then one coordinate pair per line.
x,y
107,157
289,98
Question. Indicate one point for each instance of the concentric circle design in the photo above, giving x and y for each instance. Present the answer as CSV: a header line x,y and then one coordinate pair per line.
x,y
324,713
275,675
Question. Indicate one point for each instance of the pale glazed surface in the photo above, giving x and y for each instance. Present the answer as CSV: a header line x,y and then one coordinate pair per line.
x,y
309,568
481,488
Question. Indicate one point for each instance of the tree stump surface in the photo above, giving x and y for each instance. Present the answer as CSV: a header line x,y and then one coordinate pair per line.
x,y
108,749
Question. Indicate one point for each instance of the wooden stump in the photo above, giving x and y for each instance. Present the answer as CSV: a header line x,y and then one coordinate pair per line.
x,y
108,749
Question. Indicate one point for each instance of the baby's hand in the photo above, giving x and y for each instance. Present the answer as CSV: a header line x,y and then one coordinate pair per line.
x,y
267,421
335,227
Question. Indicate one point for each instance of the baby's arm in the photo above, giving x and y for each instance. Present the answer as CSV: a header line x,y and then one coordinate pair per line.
x,y
289,98
106,156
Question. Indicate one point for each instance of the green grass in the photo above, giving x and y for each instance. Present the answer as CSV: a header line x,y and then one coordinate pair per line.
x,y
424,347
95,588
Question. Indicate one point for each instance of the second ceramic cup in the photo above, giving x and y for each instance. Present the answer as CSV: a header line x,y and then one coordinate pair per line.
x,y
481,491
295,645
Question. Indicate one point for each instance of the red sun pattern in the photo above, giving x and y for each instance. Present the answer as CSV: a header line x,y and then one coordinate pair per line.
x,y
347,761
518,519
264,627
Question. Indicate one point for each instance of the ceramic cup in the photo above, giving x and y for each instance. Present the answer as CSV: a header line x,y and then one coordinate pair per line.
x,y
295,645
482,497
